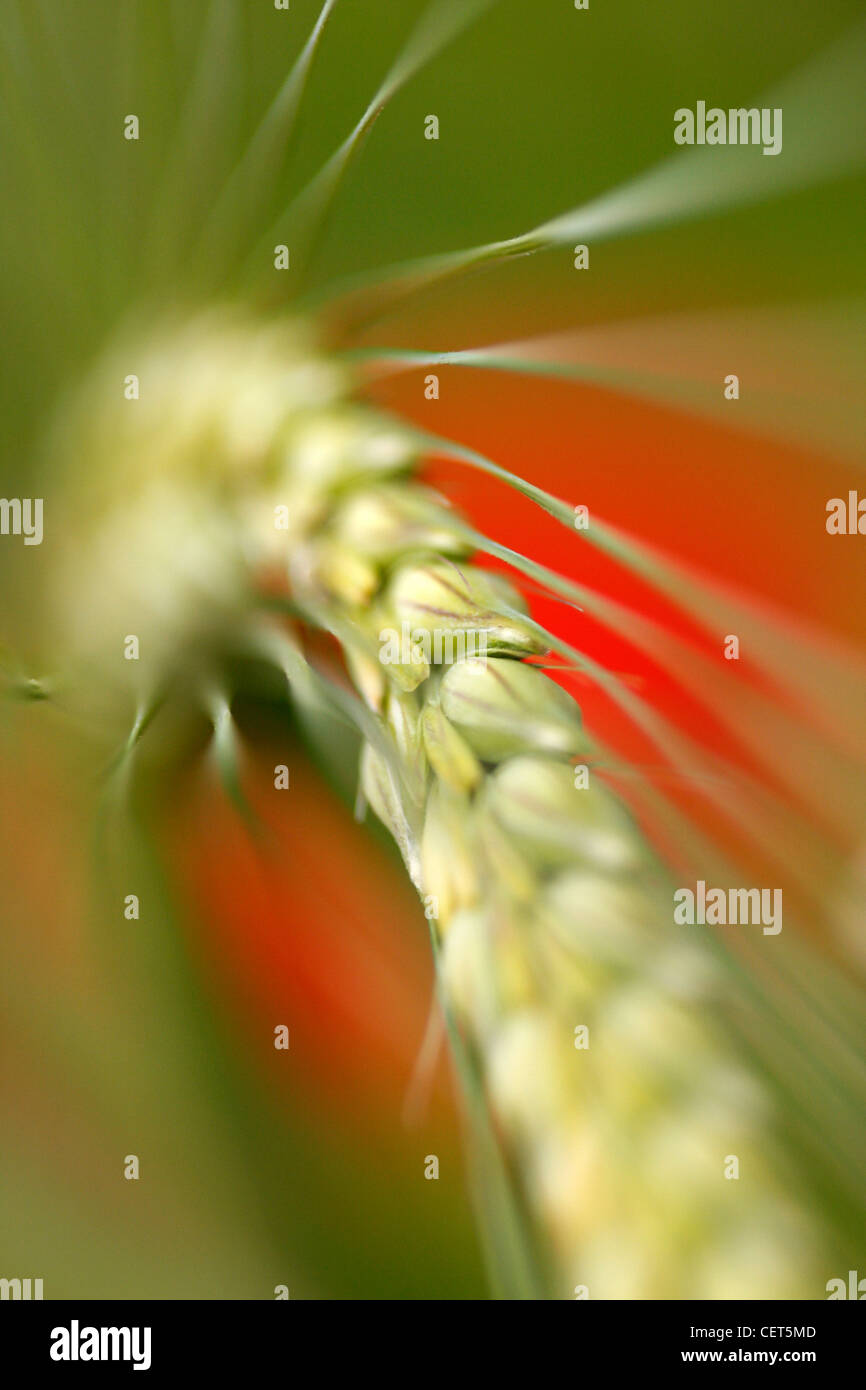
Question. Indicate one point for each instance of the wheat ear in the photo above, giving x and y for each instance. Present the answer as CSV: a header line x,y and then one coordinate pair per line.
x,y
587,1025
593,1023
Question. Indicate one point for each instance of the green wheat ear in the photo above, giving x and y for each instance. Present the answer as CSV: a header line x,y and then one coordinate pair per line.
x,y
607,1074
605,1091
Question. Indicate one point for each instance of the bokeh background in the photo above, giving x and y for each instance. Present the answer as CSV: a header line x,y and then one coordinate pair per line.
x,y
155,1037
